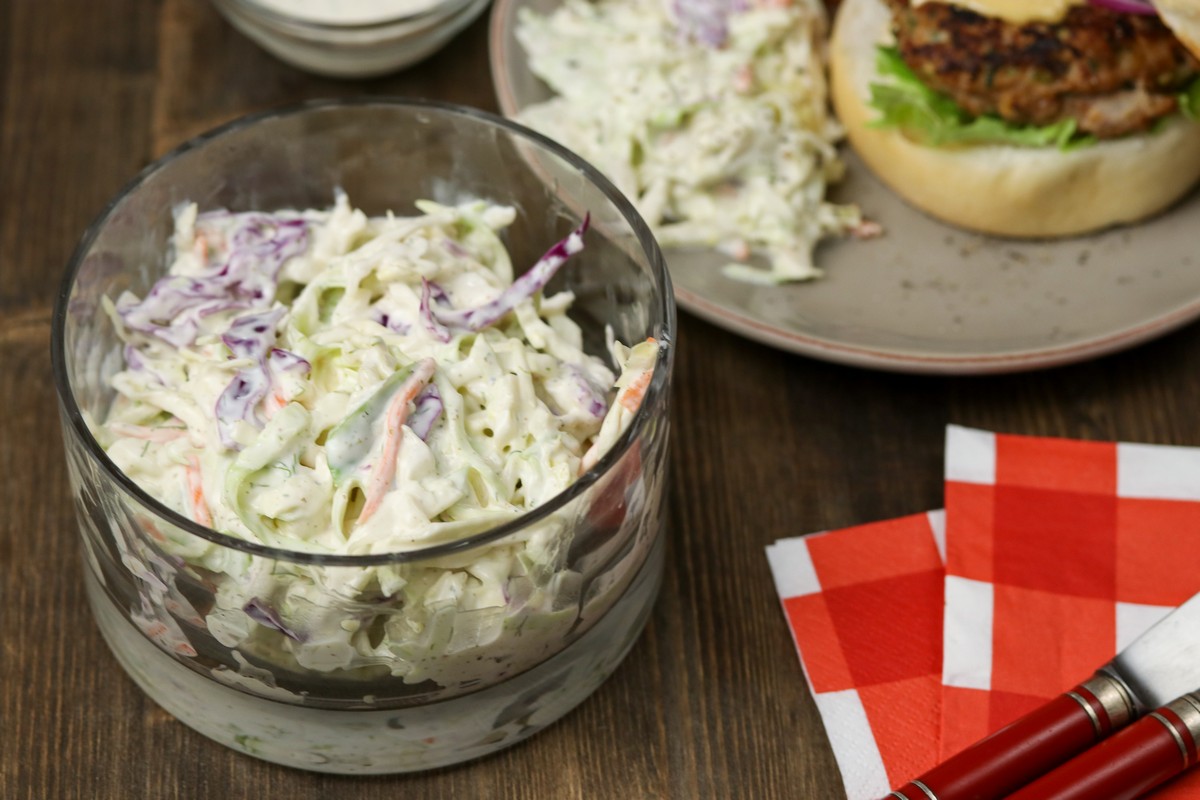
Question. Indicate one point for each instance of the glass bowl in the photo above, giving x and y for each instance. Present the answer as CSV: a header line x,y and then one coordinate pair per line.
x,y
165,590
349,45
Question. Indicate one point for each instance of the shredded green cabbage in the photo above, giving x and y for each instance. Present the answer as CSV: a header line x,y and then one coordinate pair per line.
x,y
524,411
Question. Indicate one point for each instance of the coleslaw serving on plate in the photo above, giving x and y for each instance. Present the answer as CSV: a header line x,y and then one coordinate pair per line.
x,y
333,383
711,115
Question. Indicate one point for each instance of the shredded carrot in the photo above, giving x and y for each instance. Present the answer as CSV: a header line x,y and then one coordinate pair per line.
x,y
635,390
188,614
274,401
867,229
630,399
153,530
200,511
397,413
739,250
743,79
200,248
159,632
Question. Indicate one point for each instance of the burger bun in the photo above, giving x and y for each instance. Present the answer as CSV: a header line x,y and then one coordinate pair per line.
x,y
1029,192
1182,17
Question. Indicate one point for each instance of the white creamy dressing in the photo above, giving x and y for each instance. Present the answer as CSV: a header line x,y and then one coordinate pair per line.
x,y
711,116
355,316
348,12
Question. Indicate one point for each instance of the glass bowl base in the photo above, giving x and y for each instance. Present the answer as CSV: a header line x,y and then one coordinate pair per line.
x,y
383,740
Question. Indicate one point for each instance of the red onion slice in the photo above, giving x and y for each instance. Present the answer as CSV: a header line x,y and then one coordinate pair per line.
x,y
1126,6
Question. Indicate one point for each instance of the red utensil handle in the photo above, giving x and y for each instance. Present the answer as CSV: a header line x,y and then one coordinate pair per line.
x,y
1151,751
1033,745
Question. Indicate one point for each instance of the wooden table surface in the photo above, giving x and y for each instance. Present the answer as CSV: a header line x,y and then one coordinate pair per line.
x,y
711,702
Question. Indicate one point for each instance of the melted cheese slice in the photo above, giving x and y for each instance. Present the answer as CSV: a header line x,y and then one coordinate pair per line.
x,y
1018,12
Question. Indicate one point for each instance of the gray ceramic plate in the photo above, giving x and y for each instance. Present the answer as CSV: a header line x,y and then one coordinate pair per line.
x,y
927,297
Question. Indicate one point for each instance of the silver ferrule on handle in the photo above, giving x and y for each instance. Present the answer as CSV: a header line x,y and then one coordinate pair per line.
x,y
926,793
1187,708
1115,697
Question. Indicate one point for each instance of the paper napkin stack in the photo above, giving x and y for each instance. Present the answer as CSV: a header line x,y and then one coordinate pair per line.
x,y
920,635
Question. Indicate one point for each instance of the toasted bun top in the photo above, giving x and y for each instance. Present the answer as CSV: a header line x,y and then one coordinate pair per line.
x,y
1182,17
1002,189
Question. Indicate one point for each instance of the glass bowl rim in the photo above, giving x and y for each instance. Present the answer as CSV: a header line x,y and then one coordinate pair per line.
x,y
656,395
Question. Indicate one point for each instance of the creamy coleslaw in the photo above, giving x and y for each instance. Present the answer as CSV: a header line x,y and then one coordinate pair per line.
x,y
328,382
711,115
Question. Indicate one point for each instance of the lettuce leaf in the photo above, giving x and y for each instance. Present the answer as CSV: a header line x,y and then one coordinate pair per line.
x,y
1189,101
934,119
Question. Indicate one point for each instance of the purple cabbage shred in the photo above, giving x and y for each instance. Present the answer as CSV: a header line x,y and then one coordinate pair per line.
x,y
391,323
523,288
253,335
428,410
428,321
288,361
134,359
259,246
591,398
705,21
264,615
438,294
250,337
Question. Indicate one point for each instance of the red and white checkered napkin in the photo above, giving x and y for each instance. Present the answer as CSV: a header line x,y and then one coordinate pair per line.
x,y
865,608
1058,554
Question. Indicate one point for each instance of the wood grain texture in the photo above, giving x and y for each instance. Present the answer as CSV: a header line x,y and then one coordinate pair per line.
x,y
711,703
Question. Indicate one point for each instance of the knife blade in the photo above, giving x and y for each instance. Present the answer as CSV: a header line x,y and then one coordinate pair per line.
x,y
1159,666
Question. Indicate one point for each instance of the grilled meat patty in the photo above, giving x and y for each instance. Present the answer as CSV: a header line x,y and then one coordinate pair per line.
x,y
1112,73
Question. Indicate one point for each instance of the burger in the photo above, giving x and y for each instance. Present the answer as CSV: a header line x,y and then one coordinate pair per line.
x,y
1024,118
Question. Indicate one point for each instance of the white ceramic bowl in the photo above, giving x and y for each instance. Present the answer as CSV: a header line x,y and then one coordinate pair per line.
x,y
356,49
